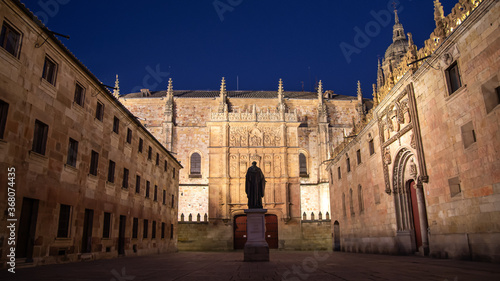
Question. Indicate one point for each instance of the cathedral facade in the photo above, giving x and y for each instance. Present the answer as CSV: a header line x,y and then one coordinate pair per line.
x,y
217,135
422,173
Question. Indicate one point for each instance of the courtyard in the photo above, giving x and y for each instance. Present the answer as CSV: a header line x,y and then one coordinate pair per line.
x,y
284,265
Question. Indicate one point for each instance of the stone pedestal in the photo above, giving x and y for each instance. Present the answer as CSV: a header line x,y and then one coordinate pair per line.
x,y
256,247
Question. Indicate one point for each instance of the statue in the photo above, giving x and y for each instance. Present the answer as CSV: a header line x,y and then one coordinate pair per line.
x,y
254,186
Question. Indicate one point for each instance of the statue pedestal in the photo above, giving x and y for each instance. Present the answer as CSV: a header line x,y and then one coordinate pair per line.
x,y
256,247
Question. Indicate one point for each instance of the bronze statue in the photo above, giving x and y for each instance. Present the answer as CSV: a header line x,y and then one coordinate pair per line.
x,y
254,186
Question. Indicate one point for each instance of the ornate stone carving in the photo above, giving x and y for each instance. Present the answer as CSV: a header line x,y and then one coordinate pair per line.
x,y
387,156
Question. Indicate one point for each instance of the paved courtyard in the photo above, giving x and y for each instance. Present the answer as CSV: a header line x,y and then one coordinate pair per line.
x,y
209,266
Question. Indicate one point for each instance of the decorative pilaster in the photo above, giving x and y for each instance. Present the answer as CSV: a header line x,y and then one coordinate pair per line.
x,y
223,108
281,108
322,110
168,123
116,90
375,96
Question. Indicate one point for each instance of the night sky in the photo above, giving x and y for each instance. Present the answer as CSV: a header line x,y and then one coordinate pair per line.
x,y
196,42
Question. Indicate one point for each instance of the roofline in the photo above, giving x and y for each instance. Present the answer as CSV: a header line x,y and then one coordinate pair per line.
x,y
47,31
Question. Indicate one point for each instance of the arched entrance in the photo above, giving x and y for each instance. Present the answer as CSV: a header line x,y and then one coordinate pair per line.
x,y
409,201
336,236
240,231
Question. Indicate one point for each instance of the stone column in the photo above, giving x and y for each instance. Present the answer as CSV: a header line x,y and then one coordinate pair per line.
x,y
256,247
422,213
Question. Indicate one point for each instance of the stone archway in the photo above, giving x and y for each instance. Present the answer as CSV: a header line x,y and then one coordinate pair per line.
x,y
411,215
336,236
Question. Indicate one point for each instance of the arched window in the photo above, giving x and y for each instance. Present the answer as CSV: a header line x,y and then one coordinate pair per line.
x,y
351,205
195,165
303,165
360,199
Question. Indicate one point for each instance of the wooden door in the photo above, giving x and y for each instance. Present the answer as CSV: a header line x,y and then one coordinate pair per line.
x,y
121,235
272,231
27,229
416,216
240,231
336,236
87,231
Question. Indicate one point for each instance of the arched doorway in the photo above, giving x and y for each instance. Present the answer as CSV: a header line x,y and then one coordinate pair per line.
x,y
409,203
336,236
240,231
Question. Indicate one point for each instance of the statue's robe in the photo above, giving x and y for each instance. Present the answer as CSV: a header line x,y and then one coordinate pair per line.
x,y
254,187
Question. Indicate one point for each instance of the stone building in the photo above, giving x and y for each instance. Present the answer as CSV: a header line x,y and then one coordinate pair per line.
x,y
217,135
87,179
422,172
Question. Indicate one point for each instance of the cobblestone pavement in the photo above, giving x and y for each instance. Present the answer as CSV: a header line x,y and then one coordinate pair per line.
x,y
284,265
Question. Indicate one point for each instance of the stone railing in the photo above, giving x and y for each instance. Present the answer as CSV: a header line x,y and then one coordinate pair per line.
x,y
190,218
313,217
261,116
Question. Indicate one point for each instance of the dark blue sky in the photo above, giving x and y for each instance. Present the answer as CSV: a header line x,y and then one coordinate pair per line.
x,y
258,41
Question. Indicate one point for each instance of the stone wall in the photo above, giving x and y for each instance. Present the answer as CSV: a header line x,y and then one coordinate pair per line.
x,y
424,148
47,180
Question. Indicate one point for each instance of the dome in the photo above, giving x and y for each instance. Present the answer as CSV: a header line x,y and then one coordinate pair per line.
x,y
396,49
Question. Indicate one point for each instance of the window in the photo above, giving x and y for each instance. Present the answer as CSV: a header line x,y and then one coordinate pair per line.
x,y
40,137
358,155
351,204
454,184
99,111
491,94
147,189
64,218
348,164
79,95
371,147
140,144
195,170
157,159
72,152
4,109
107,225
10,39
135,227
155,195
453,78
94,163
111,171
150,152
173,200
138,184
145,232
164,197
165,168
360,199
153,230
125,178
343,204
302,165
468,134
129,135
171,231
162,230
49,71
173,173
339,173
116,125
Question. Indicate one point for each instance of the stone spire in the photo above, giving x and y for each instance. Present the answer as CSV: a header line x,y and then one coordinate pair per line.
x,y
360,93
223,97
375,96
398,30
322,111
170,97
380,75
320,90
170,89
281,104
116,90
